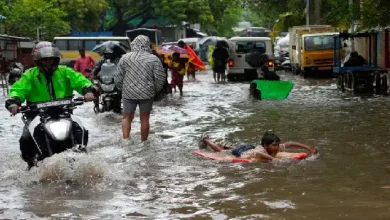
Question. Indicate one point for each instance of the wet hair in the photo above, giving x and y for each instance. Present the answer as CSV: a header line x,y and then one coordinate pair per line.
x,y
268,139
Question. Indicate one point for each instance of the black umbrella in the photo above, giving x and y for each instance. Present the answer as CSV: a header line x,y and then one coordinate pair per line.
x,y
212,41
110,46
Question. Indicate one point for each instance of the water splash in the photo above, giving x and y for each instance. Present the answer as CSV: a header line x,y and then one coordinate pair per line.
x,y
70,167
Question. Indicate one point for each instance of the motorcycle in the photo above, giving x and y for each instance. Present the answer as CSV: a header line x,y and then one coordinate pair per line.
x,y
110,97
286,65
15,73
53,127
282,61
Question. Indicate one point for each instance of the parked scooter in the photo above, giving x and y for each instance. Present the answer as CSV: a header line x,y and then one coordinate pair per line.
x,y
15,73
286,65
282,62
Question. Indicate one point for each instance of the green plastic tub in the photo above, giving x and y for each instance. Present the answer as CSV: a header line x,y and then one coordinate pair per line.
x,y
266,89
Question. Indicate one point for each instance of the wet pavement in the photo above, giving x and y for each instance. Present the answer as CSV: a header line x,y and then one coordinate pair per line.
x,y
162,179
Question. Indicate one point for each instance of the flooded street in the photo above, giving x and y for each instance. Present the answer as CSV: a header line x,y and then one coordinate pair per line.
x,y
163,179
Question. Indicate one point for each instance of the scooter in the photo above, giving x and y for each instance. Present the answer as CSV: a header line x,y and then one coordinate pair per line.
x,y
15,73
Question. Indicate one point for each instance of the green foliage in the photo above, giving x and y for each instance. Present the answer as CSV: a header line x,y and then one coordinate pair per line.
x,y
175,11
82,14
375,13
254,18
372,13
4,8
27,15
226,14
268,11
229,20
195,11
287,20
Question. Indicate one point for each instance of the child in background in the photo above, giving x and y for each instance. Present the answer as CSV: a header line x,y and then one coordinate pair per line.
x,y
178,71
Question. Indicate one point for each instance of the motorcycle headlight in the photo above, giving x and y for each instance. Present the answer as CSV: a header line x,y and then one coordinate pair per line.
x,y
108,88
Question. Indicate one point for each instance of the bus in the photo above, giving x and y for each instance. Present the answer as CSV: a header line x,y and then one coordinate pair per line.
x,y
255,32
69,47
153,34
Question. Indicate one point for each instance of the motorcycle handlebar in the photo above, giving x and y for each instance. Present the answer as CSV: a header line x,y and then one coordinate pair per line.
x,y
75,102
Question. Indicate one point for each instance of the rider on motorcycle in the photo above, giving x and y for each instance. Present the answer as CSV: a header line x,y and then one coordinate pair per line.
x,y
45,82
114,58
108,55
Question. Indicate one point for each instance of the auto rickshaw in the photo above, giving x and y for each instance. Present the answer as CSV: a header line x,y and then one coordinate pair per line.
x,y
367,77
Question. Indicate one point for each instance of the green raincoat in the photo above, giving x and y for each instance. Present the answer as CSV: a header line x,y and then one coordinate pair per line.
x,y
32,87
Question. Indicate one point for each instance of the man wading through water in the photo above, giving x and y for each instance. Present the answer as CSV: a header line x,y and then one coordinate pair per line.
x,y
140,77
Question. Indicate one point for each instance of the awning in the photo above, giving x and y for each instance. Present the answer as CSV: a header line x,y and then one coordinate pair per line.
x,y
5,37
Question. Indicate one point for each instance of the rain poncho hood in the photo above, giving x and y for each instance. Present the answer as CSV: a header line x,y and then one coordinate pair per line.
x,y
141,43
140,74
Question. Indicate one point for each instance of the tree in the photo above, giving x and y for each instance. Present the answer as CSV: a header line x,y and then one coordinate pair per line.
x,y
174,11
126,10
253,18
230,19
80,11
375,13
225,16
268,10
27,15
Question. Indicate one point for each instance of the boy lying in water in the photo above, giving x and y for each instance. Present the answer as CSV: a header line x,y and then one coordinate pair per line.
x,y
269,148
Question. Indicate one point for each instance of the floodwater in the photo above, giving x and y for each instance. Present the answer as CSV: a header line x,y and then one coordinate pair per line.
x,y
162,179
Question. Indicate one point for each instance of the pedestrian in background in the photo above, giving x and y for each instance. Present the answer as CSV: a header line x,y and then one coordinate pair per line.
x,y
84,63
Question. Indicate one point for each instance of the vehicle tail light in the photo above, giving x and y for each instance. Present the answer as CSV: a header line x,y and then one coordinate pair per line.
x,y
270,63
231,63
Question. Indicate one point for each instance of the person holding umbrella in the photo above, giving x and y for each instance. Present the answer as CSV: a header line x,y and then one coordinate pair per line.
x,y
220,56
110,50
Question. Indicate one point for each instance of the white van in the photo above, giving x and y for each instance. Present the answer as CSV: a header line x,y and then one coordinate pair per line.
x,y
239,47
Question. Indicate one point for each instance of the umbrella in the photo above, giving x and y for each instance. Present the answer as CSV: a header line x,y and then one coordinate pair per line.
x,y
212,41
178,49
167,51
110,46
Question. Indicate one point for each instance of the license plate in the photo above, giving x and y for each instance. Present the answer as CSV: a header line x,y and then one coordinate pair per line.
x,y
324,68
54,103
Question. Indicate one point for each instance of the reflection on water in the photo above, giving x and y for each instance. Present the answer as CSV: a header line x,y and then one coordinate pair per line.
x,y
162,179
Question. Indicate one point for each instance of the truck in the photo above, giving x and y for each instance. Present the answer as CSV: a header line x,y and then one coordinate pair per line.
x,y
311,49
